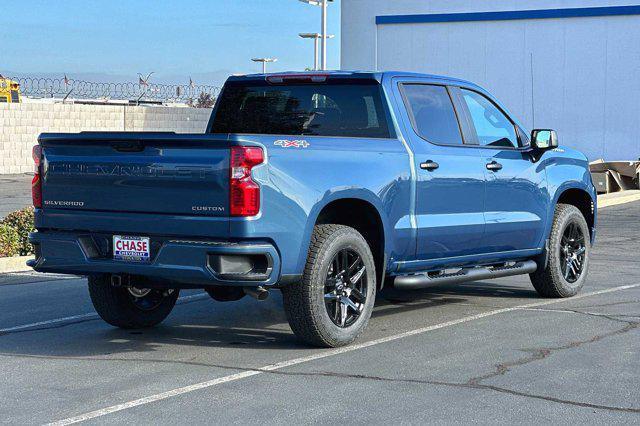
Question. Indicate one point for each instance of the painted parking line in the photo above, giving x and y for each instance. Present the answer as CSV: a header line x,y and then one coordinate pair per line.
x,y
91,315
325,354
48,322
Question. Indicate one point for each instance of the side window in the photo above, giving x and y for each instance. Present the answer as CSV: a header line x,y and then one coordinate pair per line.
x,y
492,126
432,112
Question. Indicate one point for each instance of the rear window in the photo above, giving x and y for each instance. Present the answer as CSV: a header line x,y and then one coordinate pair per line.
x,y
331,109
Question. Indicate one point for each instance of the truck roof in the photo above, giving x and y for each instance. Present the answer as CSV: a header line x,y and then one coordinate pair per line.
x,y
374,75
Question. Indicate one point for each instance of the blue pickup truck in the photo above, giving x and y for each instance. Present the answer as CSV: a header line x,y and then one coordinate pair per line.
x,y
326,186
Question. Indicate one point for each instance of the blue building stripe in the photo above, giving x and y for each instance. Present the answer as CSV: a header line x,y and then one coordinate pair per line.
x,y
579,12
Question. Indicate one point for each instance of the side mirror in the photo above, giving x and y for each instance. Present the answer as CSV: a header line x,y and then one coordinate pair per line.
x,y
544,139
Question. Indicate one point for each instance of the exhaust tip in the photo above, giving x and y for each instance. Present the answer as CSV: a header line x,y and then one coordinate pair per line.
x,y
258,293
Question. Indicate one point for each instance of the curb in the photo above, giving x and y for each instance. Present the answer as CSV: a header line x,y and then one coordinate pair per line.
x,y
14,264
608,202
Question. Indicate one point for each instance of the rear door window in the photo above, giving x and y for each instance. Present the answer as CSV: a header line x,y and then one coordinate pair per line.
x,y
432,113
329,109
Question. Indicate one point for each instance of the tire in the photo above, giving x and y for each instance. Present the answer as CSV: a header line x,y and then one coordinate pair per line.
x,y
315,306
120,308
558,278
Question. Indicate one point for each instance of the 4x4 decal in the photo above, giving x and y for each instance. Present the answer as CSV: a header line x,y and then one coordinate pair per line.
x,y
285,143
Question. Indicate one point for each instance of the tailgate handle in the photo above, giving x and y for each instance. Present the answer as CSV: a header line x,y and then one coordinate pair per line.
x,y
128,146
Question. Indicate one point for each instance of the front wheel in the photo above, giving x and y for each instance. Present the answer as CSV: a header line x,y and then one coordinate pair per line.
x,y
569,251
130,307
333,303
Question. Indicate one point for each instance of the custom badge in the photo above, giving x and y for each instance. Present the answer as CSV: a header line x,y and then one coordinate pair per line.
x,y
285,143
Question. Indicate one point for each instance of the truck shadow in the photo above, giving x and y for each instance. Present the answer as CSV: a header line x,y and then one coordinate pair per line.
x,y
241,326
476,289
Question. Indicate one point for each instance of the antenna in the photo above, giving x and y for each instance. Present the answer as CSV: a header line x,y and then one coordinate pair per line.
x,y
533,108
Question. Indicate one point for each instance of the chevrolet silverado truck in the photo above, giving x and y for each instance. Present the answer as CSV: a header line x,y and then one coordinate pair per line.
x,y
325,186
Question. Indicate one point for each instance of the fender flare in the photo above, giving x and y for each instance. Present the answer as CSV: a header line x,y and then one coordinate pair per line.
x,y
343,194
579,185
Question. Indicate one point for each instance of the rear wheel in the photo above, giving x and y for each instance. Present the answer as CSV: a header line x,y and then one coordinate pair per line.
x,y
130,307
333,303
569,250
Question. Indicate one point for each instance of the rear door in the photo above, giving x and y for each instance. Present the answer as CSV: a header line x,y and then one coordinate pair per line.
x,y
516,193
450,175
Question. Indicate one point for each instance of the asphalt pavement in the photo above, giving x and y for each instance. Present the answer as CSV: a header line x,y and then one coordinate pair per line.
x,y
15,192
481,352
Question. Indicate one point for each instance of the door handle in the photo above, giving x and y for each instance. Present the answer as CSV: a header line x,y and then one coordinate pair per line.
x,y
494,166
429,165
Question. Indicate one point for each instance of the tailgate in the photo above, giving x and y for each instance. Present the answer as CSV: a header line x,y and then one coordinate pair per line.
x,y
158,173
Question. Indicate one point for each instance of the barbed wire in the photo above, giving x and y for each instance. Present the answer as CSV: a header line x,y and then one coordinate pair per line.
x,y
80,89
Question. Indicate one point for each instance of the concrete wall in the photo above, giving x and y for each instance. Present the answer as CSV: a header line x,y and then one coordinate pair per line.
x,y
580,76
20,125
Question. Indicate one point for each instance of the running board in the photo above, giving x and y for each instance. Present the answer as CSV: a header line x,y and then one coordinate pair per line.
x,y
417,281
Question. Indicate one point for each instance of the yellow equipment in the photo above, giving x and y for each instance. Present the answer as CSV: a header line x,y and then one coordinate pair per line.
x,y
9,91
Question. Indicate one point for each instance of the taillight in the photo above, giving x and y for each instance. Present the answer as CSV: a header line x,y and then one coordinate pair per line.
x,y
244,192
36,183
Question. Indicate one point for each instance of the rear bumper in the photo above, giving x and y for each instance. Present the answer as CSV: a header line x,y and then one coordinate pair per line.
x,y
177,260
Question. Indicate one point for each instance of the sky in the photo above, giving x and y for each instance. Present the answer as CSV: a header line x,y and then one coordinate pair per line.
x,y
114,40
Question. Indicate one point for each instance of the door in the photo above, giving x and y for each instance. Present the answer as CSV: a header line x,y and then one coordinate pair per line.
x,y
450,175
516,195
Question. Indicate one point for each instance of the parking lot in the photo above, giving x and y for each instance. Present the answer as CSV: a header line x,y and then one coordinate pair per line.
x,y
15,192
489,352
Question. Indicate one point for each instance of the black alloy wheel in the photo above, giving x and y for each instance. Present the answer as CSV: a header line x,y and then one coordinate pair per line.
x,y
572,252
345,288
147,299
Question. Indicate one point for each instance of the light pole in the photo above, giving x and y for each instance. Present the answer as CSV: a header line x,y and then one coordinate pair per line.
x,y
264,62
315,37
323,4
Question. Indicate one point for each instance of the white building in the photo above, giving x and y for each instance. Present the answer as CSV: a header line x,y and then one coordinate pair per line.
x,y
571,65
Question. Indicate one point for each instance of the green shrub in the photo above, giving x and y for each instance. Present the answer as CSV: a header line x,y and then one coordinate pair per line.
x,y
9,241
21,222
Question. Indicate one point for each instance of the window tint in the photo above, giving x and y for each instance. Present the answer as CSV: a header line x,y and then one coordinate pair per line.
x,y
331,109
492,126
433,113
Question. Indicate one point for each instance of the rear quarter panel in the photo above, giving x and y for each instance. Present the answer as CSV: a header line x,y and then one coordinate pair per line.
x,y
298,182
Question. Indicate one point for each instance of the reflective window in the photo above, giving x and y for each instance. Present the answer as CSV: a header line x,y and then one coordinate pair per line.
x,y
492,126
354,109
433,114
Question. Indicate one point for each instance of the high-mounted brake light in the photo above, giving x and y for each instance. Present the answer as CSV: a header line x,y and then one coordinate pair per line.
x,y
244,193
36,183
297,78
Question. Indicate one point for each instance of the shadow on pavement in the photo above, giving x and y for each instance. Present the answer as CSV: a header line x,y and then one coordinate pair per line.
x,y
245,324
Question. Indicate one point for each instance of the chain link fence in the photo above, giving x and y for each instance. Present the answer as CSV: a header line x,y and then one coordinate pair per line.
x,y
35,87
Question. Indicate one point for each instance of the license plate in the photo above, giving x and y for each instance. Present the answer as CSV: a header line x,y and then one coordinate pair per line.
x,y
133,249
